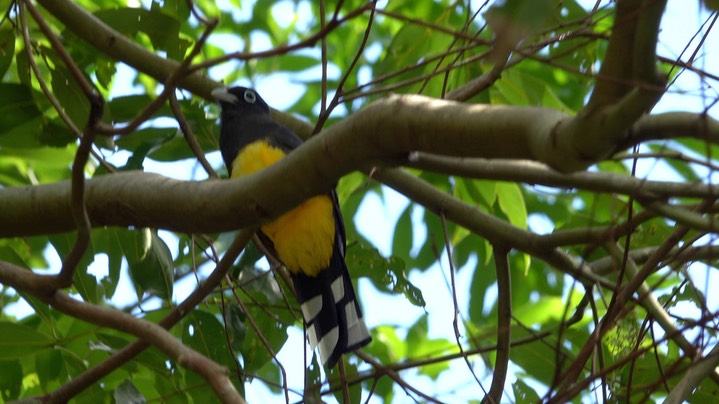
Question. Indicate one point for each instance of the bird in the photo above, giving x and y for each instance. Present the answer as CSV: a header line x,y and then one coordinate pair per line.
x,y
309,240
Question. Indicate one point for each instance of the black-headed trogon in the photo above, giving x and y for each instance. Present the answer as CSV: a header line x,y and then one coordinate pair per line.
x,y
309,240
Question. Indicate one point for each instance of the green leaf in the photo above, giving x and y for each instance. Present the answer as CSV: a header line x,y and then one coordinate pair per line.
x,y
540,312
18,341
47,164
286,63
484,276
387,345
42,310
150,358
125,108
92,395
10,380
48,364
235,323
149,261
56,134
519,19
402,240
248,258
419,345
707,391
682,168
511,203
17,107
203,332
177,8
171,389
25,135
479,192
163,30
537,359
107,241
105,70
7,48
509,90
523,394
135,162
71,97
387,274
145,141
24,73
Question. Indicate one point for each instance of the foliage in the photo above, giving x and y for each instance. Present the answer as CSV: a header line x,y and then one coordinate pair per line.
x,y
579,239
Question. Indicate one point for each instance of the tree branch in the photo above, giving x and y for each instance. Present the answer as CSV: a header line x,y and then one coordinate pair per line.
x,y
673,125
22,279
117,359
631,88
534,173
504,319
694,376
358,142
146,200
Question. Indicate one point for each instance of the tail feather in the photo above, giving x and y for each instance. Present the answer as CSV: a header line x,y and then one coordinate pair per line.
x,y
331,311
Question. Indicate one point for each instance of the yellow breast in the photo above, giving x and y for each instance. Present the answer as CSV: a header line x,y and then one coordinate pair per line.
x,y
303,237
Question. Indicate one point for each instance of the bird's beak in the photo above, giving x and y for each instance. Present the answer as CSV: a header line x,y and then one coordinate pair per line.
x,y
222,95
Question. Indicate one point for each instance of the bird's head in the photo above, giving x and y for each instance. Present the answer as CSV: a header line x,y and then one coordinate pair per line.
x,y
240,99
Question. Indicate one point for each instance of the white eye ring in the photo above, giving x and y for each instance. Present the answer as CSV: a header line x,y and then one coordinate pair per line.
x,y
250,96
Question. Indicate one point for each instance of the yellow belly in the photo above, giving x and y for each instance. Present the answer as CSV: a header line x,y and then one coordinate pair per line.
x,y
303,237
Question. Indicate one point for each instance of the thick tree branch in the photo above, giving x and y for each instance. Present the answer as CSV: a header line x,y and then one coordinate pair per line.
x,y
383,133
630,89
631,52
147,200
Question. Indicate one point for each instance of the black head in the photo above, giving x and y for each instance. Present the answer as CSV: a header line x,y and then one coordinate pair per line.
x,y
240,99
245,119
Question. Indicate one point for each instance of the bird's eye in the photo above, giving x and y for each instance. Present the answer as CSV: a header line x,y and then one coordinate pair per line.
x,y
250,96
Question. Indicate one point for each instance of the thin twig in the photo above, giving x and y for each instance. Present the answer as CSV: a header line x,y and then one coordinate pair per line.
x,y
339,91
455,321
343,381
281,50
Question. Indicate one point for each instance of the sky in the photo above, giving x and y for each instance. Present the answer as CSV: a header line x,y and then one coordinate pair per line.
x,y
377,215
